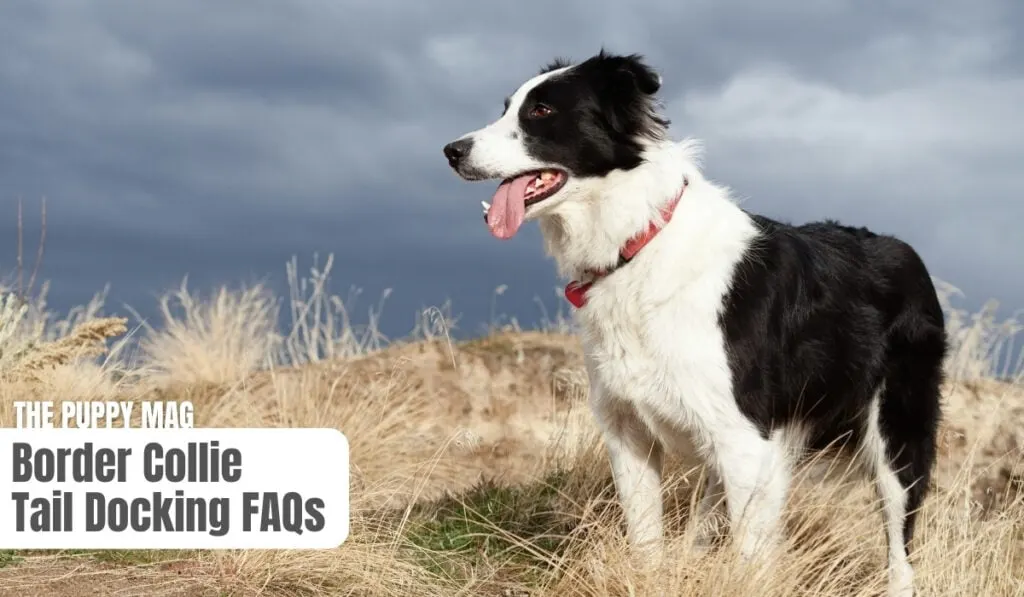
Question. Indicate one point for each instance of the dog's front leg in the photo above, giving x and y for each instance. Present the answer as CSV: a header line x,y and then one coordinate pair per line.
x,y
756,474
635,457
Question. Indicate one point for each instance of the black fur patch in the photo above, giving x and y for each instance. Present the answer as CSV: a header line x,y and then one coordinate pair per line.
x,y
817,318
602,109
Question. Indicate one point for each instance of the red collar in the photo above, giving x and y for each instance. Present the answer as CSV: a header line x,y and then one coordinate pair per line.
x,y
576,291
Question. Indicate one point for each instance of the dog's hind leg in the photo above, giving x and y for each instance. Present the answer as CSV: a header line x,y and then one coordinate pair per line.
x,y
894,502
899,445
635,456
901,430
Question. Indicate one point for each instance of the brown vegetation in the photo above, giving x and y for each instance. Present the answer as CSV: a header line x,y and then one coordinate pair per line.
x,y
476,469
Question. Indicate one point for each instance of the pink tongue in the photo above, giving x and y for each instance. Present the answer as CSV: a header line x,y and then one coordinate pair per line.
x,y
507,209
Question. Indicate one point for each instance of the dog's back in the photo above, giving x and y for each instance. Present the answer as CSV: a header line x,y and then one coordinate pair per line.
x,y
818,316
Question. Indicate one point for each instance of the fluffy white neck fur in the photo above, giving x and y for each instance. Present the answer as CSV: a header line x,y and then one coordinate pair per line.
x,y
590,225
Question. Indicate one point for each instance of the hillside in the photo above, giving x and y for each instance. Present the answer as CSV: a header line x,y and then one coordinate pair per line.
x,y
476,469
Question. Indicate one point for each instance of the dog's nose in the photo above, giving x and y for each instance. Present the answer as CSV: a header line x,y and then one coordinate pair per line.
x,y
456,150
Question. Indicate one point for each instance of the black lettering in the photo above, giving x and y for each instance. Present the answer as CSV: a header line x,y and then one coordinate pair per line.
x,y
151,468
95,512
69,522
22,465
19,510
202,459
85,464
110,464
81,463
122,468
44,465
139,521
40,520
220,514
180,513
232,465
56,519
117,514
271,513
105,459
162,514
292,509
175,467
249,508
315,522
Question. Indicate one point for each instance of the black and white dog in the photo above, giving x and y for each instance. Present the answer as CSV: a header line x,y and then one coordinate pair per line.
x,y
703,325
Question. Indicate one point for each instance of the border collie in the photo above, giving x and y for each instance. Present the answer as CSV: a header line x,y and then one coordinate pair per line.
x,y
754,341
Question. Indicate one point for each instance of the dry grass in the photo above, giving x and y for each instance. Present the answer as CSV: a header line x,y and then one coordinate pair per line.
x,y
476,468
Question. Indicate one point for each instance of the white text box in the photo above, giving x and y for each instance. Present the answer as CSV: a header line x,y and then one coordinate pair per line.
x,y
273,488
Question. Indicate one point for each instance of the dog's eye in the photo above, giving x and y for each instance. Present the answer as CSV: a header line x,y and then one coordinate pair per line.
x,y
540,111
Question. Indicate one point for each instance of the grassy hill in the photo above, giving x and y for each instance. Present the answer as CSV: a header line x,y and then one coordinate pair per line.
x,y
476,469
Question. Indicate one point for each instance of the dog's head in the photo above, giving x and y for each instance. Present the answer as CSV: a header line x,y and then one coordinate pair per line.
x,y
568,125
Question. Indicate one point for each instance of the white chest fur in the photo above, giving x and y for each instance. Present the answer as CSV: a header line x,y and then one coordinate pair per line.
x,y
650,330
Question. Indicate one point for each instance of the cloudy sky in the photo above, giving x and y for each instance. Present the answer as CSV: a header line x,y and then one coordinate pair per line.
x,y
220,139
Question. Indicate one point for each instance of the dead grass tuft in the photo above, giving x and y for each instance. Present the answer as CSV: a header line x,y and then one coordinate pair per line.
x,y
221,340
87,340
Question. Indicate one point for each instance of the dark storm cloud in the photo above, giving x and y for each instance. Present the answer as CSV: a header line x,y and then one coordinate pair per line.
x,y
215,139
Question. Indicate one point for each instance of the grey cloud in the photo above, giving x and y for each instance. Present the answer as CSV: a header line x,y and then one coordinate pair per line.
x,y
283,128
929,161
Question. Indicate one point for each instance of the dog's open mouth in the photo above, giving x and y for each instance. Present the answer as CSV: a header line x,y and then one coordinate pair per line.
x,y
543,185
505,214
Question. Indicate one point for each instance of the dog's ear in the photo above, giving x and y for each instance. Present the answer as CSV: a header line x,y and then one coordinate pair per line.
x,y
625,86
632,69
624,73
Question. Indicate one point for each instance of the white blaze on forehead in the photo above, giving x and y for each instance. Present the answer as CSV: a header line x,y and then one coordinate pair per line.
x,y
517,99
509,121
498,148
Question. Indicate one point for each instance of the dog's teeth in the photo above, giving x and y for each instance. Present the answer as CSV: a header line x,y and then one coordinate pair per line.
x,y
487,206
